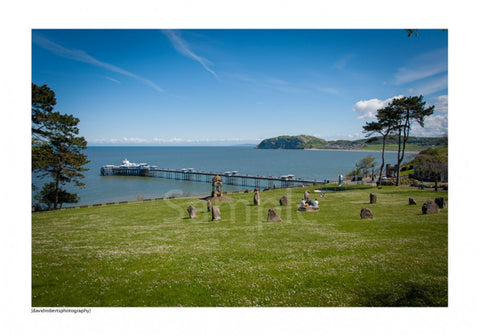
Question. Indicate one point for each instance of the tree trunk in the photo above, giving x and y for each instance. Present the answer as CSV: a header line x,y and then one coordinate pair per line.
x,y
397,182
57,185
55,204
383,159
401,154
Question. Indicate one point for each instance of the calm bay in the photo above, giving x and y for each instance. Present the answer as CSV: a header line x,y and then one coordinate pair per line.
x,y
313,164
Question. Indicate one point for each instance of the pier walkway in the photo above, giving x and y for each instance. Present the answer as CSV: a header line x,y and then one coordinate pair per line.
x,y
230,178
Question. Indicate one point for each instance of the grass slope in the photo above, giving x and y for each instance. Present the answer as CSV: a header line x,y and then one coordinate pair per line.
x,y
151,254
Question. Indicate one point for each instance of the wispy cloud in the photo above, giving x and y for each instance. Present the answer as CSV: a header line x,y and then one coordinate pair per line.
x,y
342,62
328,90
267,82
82,56
172,141
182,47
423,66
438,83
112,79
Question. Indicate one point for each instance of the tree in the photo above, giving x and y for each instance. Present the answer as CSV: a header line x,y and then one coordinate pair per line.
x,y
432,162
407,110
385,124
367,163
56,146
397,118
411,32
43,102
48,195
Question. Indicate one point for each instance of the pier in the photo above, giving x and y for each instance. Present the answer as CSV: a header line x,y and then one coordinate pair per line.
x,y
229,178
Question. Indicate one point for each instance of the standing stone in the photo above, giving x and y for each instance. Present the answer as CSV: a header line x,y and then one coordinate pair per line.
x,y
373,198
430,207
411,201
366,213
209,205
440,202
217,186
215,213
192,212
272,216
306,196
284,201
256,198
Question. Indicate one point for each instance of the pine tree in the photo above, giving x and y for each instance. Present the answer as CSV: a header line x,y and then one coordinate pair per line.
x,y
385,124
56,146
408,110
397,118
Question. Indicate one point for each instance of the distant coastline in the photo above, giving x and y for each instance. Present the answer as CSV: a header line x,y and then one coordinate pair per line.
x,y
375,144
359,150
255,146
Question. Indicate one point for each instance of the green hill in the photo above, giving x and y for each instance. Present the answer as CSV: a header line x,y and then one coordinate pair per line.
x,y
292,142
311,142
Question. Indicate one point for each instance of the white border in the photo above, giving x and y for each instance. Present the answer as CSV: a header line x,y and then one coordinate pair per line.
x,y
19,17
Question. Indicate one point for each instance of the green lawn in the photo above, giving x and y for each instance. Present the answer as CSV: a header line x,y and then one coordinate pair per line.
x,y
151,254
394,147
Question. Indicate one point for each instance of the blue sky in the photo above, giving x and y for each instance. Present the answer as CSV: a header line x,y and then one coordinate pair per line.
x,y
235,86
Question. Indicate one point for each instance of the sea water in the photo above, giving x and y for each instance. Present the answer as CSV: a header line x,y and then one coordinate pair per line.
x,y
309,164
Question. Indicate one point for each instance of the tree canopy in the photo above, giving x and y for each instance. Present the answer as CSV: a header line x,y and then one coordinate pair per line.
x,y
56,146
386,123
49,194
367,163
43,102
397,119
408,110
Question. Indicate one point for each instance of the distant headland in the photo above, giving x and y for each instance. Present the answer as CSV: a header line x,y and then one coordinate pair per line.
x,y
374,143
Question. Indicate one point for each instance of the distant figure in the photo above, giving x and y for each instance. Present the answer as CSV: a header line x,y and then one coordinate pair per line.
x,y
302,203
315,203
